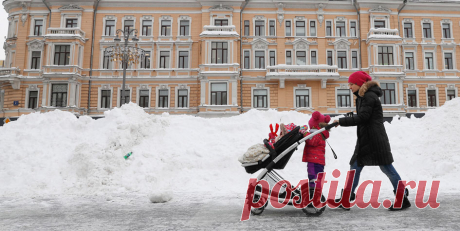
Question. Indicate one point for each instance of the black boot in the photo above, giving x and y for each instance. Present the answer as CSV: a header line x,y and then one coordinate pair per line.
x,y
405,204
352,198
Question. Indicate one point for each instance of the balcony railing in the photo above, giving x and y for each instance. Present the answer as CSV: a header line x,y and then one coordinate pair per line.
x,y
62,70
383,33
302,69
9,71
390,69
66,32
219,28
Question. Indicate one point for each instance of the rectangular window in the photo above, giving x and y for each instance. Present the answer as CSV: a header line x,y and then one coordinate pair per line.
x,y
163,98
412,98
71,23
340,29
166,28
450,94
409,61
126,93
302,97
219,52
272,58
343,98
184,27
147,27
260,98
182,99
38,27
313,60
59,95
247,60
312,28
221,22
429,60
260,60
35,62
164,59
110,27
446,30
183,59
271,28
385,55
61,54
288,58
218,94
354,59
328,28
379,24
105,98
389,93
301,58
246,27
448,64
107,64
353,29
342,59
33,99
408,30
329,58
260,28
427,30
144,98
432,98
129,25
300,28
288,28
145,62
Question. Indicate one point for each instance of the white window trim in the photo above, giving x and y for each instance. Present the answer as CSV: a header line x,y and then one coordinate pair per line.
x,y
432,87
129,17
185,18
14,28
101,61
141,22
346,26
307,54
81,52
356,29
448,21
228,90
99,96
143,87
250,67
380,18
262,87
254,58
451,87
347,55
316,27
333,57
109,17
189,55
300,19
53,48
271,20
50,90
29,88
415,59
276,57
413,88
176,90
396,92
309,96
215,16
65,16
165,18
431,28
32,27
357,59
29,61
409,20
229,51
454,65
395,54
332,28
292,56
343,87
316,50
259,18
127,87
292,35
157,100
434,60
158,58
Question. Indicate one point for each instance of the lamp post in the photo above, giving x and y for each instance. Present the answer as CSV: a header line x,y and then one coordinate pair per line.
x,y
126,55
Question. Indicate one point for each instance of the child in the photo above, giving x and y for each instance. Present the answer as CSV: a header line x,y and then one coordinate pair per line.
x,y
285,129
315,148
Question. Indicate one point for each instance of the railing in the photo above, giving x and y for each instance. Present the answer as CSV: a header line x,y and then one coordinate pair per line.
x,y
56,69
9,71
383,32
66,31
386,68
302,69
219,28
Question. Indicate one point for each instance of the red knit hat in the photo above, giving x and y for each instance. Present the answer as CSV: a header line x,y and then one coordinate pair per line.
x,y
359,78
317,118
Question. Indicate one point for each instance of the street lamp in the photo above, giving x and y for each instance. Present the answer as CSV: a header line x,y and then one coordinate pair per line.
x,y
126,55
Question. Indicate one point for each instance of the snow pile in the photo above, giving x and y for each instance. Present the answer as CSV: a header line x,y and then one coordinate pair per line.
x,y
56,153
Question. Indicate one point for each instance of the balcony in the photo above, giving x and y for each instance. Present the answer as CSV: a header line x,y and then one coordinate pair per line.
x,y
300,70
61,71
9,72
383,34
219,31
66,33
387,70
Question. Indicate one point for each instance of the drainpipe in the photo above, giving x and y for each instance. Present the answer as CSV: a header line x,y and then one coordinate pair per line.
x,y
49,18
401,55
92,53
359,36
399,26
241,54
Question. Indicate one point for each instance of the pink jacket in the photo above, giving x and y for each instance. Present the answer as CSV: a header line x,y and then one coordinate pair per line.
x,y
315,149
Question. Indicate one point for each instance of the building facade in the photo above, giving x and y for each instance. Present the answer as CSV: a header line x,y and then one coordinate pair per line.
x,y
217,58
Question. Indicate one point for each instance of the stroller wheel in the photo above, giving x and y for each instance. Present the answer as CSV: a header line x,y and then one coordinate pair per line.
x,y
258,211
312,211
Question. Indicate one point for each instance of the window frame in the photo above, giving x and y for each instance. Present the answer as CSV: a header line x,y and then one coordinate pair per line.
x,y
144,64
211,93
297,57
452,63
449,29
290,28
406,60
311,56
185,28
330,27
380,20
38,60
127,88
344,28
162,59
157,98
342,61
247,27
267,97
258,28
259,59
248,56
178,96
436,95
411,29
114,27
286,56
383,56
315,28
185,61
355,28
74,22
70,54
393,92
270,27
304,21
357,59
416,98
28,97
331,58
66,100
426,30
426,60
309,97
40,32
272,58
109,98
141,97
142,26
164,28
349,97
224,52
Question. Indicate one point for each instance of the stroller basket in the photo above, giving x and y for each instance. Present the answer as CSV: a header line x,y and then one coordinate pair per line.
x,y
282,144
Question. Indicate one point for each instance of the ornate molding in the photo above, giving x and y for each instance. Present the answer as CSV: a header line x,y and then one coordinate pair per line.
x,y
343,86
221,7
280,12
301,86
71,7
431,86
450,86
426,20
163,87
144,87
260,44
380,9
446,21
147,17
24,19
182,87
341,44
105,87
35,44
260,86
33,87
412,87
259,17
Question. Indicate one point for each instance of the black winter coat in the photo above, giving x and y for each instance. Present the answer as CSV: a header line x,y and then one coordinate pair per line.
x,y
372,146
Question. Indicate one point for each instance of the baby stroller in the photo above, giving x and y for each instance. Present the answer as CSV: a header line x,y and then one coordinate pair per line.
x,y
277,159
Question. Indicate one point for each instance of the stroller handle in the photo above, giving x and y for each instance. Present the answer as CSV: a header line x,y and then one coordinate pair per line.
x,y
328,127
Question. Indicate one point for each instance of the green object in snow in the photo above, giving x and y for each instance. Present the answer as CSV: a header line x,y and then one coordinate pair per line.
x,y
128,155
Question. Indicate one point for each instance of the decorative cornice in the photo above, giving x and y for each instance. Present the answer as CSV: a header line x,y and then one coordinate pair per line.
x,y
71,7
221,7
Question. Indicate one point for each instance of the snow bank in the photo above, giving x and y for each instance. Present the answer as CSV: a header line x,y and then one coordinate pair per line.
x,y
56,153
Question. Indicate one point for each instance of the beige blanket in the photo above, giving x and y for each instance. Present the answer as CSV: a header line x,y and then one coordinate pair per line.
x,y
255,153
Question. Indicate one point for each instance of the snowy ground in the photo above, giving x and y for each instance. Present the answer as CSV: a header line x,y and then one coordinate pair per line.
x,y
56,155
